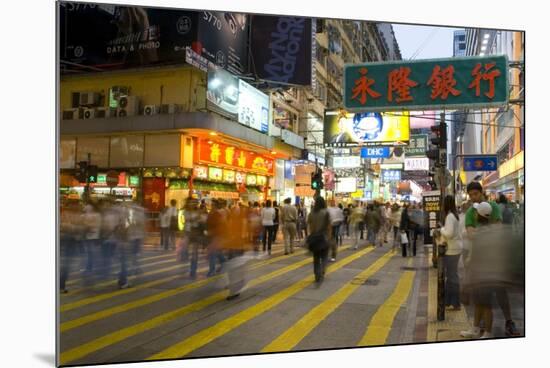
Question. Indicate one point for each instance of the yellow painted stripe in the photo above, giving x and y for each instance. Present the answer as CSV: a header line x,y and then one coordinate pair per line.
x,y
173,260
105,296
112,338
380,324
209,334
292,337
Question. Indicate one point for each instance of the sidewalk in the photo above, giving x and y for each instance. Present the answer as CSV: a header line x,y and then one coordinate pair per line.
x,y
456,321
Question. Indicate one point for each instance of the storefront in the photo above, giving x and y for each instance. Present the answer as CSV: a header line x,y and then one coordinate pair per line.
x,y
223,170
508,180
128,187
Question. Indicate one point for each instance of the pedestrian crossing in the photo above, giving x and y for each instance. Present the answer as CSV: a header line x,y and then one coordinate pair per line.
x,y
171,316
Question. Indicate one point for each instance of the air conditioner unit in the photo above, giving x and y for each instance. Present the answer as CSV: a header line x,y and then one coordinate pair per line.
x,y
88,113
150,110
89,99
127,106
72,114
104,112
170,108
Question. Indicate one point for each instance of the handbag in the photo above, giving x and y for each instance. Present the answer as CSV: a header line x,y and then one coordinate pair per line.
x,y
404,239
316,242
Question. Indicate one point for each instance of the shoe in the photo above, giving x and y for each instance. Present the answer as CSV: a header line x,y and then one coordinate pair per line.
x,y
124,286
355,248
286,253
333,259
471,333
231,297
210,274
510,329
486,335
64,291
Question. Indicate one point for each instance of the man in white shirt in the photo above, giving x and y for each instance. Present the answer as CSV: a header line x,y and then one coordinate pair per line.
x,y
289,218
336,216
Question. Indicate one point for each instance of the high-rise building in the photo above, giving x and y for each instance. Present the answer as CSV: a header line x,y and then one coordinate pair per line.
x,y
459,41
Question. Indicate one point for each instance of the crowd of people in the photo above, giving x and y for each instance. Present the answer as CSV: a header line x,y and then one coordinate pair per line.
x,y
486,236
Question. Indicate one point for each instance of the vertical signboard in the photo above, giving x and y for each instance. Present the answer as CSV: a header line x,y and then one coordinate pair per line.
x,y
282,49
432,213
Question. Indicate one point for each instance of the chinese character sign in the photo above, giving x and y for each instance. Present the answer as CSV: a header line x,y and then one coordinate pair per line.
x,y
391,175
431,205
426,84
418,144
220,154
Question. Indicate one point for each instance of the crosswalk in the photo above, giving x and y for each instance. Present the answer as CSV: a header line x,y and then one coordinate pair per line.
x,y
166,315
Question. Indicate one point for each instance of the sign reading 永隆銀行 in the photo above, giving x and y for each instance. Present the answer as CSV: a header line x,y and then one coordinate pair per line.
x,y
426,84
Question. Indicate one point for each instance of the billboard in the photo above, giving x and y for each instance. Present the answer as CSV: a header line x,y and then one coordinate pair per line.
x,y
449,83
343,129
281,49
222,92
96,37
253,107
346,185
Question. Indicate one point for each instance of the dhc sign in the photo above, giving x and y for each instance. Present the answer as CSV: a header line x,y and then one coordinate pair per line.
x,y
375,152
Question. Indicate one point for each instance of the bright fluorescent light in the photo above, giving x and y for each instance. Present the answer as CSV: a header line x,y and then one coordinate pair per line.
x,y
215,83
486,36
481,54
483,48
213,133
485,41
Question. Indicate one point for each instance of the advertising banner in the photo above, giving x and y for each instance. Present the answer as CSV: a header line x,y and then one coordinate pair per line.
x,y
281,49
342,129
253,107
418,145
375,152
223,92
220,154
222,39
96,37
342,162
391,175
432,213
290,170
346,185
417,164
451,83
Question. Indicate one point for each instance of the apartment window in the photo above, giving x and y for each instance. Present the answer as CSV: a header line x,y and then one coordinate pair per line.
x,y
462,37
321,55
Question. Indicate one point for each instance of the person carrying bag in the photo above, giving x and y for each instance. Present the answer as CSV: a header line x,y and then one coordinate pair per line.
x,y
318,240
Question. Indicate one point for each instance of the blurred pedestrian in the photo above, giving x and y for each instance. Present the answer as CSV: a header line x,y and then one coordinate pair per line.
x,y
347,213
164,219
235,249
336,216
289,217
275,223
395,221
372,221
69,228
217,232
355,224
490,214
174,224
404,227
267,215
136,234
302,221
318,240
255,226
452,235
92,238
195,226
416,226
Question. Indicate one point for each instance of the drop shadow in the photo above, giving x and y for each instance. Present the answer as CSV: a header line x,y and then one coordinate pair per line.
x,y
46,358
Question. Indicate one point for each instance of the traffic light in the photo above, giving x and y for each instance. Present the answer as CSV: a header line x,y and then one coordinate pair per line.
x,y
439,137
317,180
81,172
92,174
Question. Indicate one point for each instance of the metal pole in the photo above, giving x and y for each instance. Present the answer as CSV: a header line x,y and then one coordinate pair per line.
x,y
441,248
87,188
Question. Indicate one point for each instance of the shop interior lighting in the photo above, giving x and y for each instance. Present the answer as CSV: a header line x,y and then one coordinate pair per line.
x,y
210,142
273,152
483,48
485,41
213,133
486,36
482,54
215,83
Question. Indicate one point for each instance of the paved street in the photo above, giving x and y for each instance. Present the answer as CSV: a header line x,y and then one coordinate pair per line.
x,y
370,297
